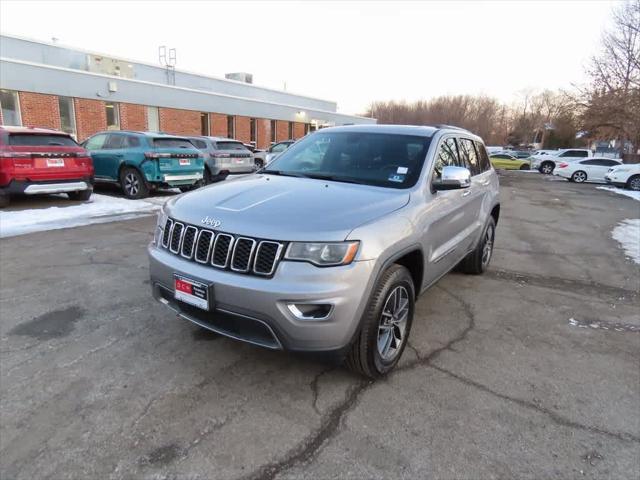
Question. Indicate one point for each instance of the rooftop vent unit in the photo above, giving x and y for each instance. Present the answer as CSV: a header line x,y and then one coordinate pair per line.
x,y
240,77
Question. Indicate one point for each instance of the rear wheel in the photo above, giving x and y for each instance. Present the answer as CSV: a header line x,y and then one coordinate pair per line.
x,y
132,183
547,168
385,324
259,163
81,195
478,260
579,176
634,183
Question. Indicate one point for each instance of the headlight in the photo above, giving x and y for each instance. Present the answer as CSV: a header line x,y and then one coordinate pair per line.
x,y
323,254
162,221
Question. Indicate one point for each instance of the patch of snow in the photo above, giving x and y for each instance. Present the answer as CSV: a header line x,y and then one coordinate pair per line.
x,y
628,234
99,209
622,191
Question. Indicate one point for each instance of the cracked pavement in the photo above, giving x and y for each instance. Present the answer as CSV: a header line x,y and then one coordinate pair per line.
x,y
99,381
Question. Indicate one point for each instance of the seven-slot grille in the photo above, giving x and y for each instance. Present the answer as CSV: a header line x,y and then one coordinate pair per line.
x,y
222,250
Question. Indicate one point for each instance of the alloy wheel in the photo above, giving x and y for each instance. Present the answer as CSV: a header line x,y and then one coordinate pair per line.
x,y
634,184
579,177
393,323
131,184
547,168
487,247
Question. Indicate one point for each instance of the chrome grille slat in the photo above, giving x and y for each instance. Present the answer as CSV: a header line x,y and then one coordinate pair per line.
x,y
223,251
204,242
242,254
176,237
188,241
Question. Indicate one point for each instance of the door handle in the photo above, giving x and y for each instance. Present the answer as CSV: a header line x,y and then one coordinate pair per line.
x,y
466,193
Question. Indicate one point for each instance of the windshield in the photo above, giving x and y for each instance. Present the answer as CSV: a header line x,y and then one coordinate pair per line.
x,y
31,140
230,146
385,160
172,143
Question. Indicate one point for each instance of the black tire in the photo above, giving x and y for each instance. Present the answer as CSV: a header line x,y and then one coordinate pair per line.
x,y
5,200
365,357
579,176
133,184
478,260
80,195
208,178
524,167
259,163
634,183
547,168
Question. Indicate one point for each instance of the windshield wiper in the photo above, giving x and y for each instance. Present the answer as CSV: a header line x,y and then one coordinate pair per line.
x,y
335,178
283,173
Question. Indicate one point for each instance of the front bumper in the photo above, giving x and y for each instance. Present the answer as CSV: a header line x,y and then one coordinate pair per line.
x,y
27,187
615,181
254,309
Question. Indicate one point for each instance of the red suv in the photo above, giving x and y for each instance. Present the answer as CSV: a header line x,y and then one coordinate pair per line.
x,y
38,160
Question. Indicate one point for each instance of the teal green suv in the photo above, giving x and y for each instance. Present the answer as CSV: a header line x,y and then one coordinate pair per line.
x,y
141,162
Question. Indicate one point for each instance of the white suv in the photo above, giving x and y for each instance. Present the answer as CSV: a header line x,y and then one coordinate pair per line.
x,y
546,163
626,176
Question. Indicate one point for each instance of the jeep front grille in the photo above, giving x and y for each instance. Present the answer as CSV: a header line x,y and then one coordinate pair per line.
x,y
222,250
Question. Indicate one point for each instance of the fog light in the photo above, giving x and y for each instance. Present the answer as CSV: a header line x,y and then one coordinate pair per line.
x,y
310,311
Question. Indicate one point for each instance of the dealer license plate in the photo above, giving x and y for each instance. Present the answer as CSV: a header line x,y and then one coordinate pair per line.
x,y
185,161
55,162
191,292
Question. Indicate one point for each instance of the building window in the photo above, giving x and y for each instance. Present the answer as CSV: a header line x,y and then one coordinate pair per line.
x,y
204,124
153,119
10,107
290,131
253,129
113,116
231,126
67,115
273,131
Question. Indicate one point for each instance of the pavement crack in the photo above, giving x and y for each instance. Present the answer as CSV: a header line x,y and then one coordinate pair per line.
x,y
315,388
553,416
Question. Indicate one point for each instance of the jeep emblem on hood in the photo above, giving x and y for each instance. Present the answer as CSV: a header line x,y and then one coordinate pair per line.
x,y
212,222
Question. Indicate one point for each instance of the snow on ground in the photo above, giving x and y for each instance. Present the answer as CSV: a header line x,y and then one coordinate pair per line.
x,y
621,191
628,234
99,209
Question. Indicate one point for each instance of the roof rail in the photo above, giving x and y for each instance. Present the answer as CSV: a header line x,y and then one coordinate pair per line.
x,y
443,125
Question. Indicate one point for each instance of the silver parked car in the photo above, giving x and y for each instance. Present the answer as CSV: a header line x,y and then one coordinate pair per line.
x,y
327,248
223,156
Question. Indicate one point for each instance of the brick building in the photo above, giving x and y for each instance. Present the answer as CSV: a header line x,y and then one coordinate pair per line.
x,y
47,85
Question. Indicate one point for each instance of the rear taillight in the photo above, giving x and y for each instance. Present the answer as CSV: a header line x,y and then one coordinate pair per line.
x,y
14,155
563,165
221,155
156,155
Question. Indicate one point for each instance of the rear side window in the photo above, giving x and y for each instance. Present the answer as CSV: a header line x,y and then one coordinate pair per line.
x,y
132,141
201,144
115,141
574,153
31,140
171,143
483,158
447,157
230,146
469,155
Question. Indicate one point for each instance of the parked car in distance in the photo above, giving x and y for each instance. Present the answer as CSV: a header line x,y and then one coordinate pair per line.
x,y
223,156
546,163
591,170
276,149
327,248
520,154
39,160
144,161
506,161
625,176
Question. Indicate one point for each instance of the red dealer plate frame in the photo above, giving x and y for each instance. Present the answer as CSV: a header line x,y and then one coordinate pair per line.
x,y
191,291
185,161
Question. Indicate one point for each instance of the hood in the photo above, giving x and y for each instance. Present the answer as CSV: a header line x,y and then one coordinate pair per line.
x,y
286,208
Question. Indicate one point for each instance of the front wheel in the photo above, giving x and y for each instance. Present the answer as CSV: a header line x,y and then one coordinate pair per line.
x,y
478,260
385,324
579,176
81,195
547,168
634,183
133,185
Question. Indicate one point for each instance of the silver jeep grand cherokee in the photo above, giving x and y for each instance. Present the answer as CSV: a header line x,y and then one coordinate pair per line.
x,y
327,248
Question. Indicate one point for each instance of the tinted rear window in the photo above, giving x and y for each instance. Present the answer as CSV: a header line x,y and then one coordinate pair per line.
x,y
31,140
172,143
230,146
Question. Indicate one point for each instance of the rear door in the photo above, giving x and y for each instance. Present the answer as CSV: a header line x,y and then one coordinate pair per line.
x,y
94,145
600,166
477,193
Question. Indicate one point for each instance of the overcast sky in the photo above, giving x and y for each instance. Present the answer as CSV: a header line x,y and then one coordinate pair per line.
x,y
350,52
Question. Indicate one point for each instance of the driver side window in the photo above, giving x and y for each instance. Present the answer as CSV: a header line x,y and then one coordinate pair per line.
x,y
447,157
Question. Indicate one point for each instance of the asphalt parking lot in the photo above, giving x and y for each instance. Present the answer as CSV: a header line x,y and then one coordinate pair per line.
x,y
500,380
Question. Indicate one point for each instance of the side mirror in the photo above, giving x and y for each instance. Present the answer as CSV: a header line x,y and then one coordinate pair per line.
x,y
453,178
